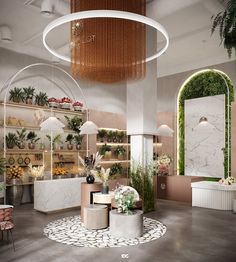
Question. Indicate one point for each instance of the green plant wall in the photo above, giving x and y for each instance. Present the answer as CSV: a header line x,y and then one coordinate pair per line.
x,y
207,83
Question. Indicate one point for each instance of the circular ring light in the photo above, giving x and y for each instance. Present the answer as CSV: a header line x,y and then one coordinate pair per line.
x,y
104,14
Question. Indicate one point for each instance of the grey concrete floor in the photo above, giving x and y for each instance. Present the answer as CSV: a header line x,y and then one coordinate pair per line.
x,y
193,234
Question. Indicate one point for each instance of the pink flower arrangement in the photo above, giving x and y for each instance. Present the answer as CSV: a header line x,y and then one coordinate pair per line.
x,y
77,103
53,100
66,100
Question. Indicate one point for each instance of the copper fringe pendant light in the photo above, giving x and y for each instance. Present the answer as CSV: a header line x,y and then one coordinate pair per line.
x,y
108,50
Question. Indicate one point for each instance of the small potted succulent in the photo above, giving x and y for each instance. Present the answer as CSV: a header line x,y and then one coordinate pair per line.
x,y
53,102
11,140
28,94
16,95
120,152
78,106
115,136
41,99
69,139
21,138
32,137
120,136
65,103
105,150
78,141
109,136
102,134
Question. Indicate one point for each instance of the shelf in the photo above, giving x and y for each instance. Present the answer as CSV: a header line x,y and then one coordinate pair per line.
x,y
112,129
23,184
24,151
112,144
48,109
114,161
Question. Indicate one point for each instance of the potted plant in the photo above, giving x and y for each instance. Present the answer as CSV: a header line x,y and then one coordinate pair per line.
x,y
53,102
16,95
227,26
105,150
59,172
120,136
120,152
74,123
28,94
32,137
78,141
41,99
15,192
21,138
116,170
101,134
2,169
56,140
69,139
11,140
78,106
115,136
109,136
65,103
103,176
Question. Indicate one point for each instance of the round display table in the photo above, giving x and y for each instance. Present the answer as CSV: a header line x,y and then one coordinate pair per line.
x,y
126,226
100,198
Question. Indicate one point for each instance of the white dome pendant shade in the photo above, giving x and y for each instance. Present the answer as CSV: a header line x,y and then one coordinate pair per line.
x,y
88,128
165,130
52,124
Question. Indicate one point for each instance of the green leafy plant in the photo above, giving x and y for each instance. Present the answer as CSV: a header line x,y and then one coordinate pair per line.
x,y
105,148
120,136
2,165
102,133
116,170
74,123
32,137
142,180
226,21
55,140
11,140
207,83
16,95
78,139
41,99
69,138
119,150
110,135
28,93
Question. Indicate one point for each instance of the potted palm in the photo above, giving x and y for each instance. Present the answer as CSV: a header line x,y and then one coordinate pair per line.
x,y
69,139
32,137
28,94
226,22
105,150
41,99
21,138
16,95
11,140
56,140
109,136
120,136
120,152
78,141
74,123
101,134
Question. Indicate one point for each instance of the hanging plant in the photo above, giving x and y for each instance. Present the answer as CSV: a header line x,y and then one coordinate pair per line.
x,y
226,21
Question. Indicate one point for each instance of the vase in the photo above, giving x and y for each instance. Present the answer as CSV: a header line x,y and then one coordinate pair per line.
x,y
21,145
31,145
69,146
90,179
105,188
15,192
78,146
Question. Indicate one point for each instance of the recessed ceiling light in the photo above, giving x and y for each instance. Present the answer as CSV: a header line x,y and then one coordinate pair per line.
x,y
6,34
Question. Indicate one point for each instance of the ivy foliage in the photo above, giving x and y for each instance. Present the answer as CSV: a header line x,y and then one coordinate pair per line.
x,y
208,83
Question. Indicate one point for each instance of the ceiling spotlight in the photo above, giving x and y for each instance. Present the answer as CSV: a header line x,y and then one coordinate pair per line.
x,y
6,34
47,8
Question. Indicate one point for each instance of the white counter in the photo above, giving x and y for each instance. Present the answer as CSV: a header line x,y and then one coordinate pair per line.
x,y
58,194
213,195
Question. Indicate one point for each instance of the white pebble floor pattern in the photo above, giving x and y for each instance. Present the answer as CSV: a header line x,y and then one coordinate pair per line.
x,y
71,231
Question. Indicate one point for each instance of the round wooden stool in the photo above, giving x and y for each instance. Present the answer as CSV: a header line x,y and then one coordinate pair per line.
x,y
95,216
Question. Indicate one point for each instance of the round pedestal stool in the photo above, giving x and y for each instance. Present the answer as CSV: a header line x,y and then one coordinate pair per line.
x,y
95,216
126,226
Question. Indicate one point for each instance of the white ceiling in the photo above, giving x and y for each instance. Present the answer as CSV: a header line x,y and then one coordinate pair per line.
x,y
188,23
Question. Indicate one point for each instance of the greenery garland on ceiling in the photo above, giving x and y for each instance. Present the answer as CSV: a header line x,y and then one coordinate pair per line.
x,y
206,83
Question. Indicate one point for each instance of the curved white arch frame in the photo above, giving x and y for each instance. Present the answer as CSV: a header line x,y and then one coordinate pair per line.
x,y
104,14
6,86
221,74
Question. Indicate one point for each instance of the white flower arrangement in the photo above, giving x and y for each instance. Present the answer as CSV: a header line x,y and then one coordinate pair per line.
x,y
95,161
228,181
162,164
36,172
102,175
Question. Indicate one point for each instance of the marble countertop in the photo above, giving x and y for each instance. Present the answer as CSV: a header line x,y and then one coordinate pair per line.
x,y
213,186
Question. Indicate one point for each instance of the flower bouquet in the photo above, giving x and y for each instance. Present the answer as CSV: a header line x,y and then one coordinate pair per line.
x,y
65,103
15,173
103,176
53,102
228,181
78,106
59,172
36,172
163,164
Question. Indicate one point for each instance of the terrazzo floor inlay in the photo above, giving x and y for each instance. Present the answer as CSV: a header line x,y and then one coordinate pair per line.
x,y
71,231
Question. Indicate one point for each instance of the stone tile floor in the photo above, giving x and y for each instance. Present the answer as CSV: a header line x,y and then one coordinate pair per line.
x,y
193,234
